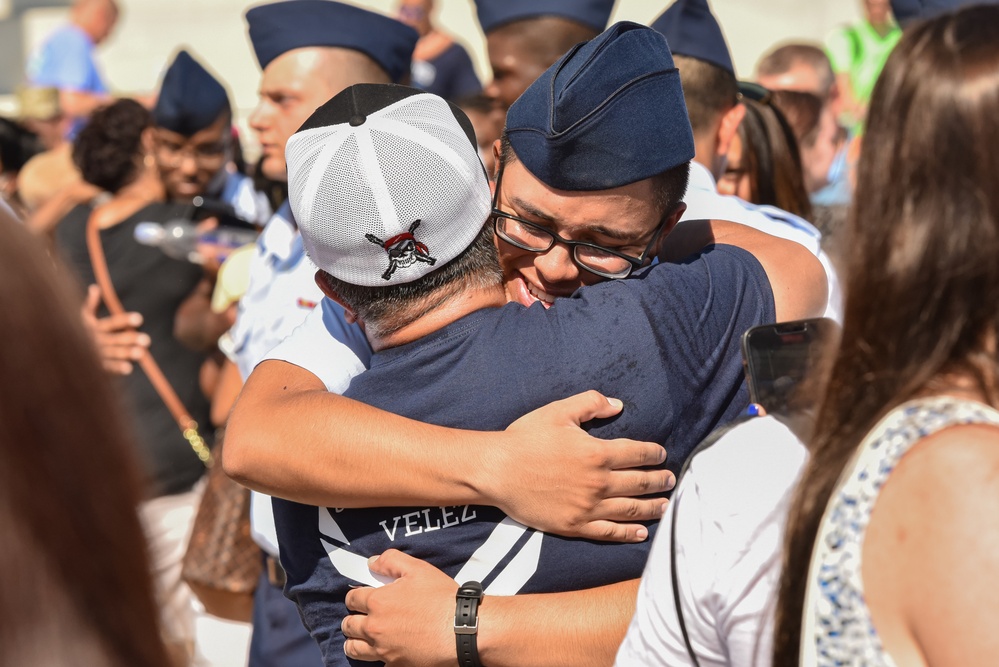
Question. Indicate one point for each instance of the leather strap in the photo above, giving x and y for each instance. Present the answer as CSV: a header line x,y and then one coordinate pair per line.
x,y
712,438
466,623
187,425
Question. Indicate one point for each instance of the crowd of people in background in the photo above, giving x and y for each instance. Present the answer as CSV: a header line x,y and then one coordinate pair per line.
x,y
475,349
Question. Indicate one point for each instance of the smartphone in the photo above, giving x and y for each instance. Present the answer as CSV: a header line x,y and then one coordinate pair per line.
x,y
782,358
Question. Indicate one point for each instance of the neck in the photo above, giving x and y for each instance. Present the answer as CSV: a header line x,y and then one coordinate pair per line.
x,y
437,314
705,153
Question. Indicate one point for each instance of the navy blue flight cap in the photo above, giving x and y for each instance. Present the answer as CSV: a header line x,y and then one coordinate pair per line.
x,y
608,113
496,13
911,10
190,98
692,31
280,27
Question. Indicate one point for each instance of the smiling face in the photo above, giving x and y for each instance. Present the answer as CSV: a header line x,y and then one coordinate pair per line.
x,y
624,219
188,164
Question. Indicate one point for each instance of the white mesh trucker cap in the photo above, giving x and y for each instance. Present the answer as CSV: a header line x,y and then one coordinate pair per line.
x,y
386,184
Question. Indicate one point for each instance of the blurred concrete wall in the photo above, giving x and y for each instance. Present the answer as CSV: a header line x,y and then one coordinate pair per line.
x,y
150,31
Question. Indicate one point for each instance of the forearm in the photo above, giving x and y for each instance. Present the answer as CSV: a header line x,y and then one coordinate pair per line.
x,y
195,324
573,629
76,103
796,276
344,453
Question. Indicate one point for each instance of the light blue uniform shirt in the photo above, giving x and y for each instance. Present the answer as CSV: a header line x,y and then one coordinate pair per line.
x,y
281,295
705,203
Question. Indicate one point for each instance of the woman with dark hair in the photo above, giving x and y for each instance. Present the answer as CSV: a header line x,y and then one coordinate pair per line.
x,y
17,146
892,555
74,574
814,126
764,166
114,153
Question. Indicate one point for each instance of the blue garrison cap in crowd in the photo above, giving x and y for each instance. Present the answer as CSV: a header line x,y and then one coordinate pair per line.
x,y
190,98
911,10
692,31
280,27
496,13
608,113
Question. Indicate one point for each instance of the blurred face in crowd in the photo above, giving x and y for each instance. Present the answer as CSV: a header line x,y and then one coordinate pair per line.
x,y
294,85
416,14
188,164
877,11
96,17
800,77
624,219
817,158
514,69
736,181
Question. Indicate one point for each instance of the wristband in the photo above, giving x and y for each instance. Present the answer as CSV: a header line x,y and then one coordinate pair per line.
x,y
466,623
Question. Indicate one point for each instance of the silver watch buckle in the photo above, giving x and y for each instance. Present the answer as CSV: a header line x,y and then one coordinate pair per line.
x,y
467,629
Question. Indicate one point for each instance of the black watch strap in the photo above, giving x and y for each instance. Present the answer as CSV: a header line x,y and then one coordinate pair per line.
x,y
466,623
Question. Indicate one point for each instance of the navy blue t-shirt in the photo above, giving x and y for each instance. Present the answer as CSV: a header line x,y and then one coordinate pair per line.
x,y
666,342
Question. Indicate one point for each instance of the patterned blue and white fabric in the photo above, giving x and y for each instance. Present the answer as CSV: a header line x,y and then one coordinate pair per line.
x,y
837,628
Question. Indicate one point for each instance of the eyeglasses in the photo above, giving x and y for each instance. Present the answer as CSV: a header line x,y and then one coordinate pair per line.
x,y
172,154
530,236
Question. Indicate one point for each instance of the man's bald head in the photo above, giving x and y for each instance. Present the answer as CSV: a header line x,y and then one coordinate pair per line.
x,y
520,51
95,17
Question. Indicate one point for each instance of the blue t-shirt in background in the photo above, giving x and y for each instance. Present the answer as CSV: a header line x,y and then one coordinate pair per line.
x,y
66,61
666,342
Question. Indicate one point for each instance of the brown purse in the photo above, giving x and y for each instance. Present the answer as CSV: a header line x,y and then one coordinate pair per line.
x,y
222,564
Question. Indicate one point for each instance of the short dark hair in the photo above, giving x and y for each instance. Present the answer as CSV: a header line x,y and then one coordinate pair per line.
x,y
385,310
17,145
668,186
783,58
708,90
107,150
545,39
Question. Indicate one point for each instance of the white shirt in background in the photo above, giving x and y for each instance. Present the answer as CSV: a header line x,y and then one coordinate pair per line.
x,y
731,507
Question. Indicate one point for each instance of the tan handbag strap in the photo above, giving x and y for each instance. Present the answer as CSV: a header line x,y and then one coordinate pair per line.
x,y
188,426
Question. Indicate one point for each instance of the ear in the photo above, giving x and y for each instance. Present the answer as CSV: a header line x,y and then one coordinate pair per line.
x,y
729,127
148,140
348,314
671,222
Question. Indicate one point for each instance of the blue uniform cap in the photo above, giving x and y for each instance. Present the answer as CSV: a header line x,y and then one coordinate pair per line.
x,y
692,31
190,98
911,10
496,13
608,113
280,27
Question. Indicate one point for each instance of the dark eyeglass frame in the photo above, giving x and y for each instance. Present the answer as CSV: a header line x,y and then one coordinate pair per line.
x,y
633,262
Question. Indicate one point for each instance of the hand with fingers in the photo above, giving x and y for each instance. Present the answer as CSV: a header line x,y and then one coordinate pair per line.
x,y
555,477
119,342
406,623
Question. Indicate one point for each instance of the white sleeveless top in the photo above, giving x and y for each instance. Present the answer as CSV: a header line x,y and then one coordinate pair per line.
x,y
836,625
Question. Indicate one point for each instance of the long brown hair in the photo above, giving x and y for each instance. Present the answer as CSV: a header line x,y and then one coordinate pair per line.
x,y
922,263
75,584
770,155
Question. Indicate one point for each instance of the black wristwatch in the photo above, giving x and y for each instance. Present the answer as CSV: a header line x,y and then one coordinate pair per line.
x,y
466,623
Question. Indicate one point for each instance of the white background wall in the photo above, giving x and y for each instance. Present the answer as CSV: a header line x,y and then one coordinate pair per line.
x,y
150,31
